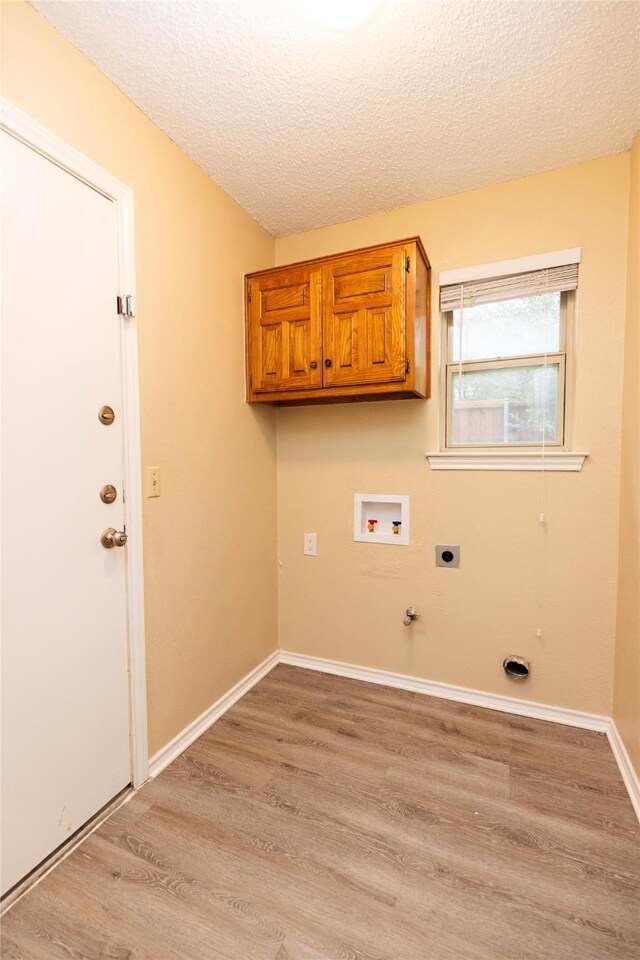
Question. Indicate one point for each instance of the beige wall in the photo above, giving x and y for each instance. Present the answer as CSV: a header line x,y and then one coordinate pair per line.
x,y
348,603
211,610
210,539
626,700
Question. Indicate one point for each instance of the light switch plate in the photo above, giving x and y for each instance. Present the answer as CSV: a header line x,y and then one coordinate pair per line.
x,y
152,482
447,555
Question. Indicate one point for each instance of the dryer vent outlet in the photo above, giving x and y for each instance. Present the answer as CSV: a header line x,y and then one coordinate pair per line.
x,y
516,667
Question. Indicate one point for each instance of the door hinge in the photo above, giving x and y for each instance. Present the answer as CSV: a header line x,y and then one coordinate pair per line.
x,y
250,295
126,306
407,365
251,380
407,264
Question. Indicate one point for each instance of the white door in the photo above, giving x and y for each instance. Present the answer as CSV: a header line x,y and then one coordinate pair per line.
x,y
65,692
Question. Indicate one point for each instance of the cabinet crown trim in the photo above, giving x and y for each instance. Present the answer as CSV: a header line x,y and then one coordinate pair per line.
x,y
344,253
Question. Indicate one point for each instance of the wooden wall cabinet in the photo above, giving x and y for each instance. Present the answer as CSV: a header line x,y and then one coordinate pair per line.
x,y
354,326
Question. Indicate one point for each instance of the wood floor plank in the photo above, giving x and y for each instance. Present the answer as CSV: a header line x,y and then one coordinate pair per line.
x,y
293,837
325,818
313,743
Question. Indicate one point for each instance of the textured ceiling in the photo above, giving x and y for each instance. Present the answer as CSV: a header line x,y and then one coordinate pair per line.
x,y
306,126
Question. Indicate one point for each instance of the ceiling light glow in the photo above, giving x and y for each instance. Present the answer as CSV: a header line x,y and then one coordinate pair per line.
x,y
340,14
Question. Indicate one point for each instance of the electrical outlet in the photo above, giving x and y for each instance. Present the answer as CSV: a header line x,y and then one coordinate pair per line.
x,y
310,545
153,482
447,555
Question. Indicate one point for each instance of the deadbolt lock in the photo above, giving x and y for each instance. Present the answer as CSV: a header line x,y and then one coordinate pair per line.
x,y
106,415
113,538
108,493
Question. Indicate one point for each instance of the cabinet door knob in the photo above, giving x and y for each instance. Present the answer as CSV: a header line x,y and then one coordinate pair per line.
x,y
313,364
327,363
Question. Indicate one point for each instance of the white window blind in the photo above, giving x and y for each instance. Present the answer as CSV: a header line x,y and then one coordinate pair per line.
x,y
474,292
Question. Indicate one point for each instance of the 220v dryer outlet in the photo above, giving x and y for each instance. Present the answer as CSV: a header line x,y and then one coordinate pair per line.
x,y
448,555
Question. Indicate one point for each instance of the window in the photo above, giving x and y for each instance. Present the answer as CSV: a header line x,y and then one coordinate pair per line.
x,y
506,350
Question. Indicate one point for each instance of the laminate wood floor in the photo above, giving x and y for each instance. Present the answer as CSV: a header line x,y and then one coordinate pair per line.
x,y
328,818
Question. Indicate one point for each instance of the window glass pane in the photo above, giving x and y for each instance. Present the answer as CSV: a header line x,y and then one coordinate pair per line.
x,y
506,405
510,328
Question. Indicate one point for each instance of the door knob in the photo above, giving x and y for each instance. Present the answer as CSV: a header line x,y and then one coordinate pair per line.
x,y
327,363
113,538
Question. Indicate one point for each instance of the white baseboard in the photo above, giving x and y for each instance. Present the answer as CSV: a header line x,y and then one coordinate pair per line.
x,y
447,691
197,727
629,775
478,698
433,688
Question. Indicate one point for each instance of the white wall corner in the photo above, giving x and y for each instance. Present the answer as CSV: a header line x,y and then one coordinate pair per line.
x,y
197,727
627,770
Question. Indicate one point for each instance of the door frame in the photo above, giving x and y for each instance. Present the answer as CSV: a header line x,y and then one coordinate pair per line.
x,y
24,128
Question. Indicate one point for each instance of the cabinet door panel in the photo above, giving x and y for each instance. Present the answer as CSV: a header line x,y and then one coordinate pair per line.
x,y
361,283
299,347
284,298
364,318
285,331
270,337
378,325
345,341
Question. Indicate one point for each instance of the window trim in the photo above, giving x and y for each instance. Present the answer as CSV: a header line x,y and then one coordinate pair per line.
x,y
468,459
504,268
564,357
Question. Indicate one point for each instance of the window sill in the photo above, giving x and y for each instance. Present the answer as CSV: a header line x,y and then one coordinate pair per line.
x,y
553,460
